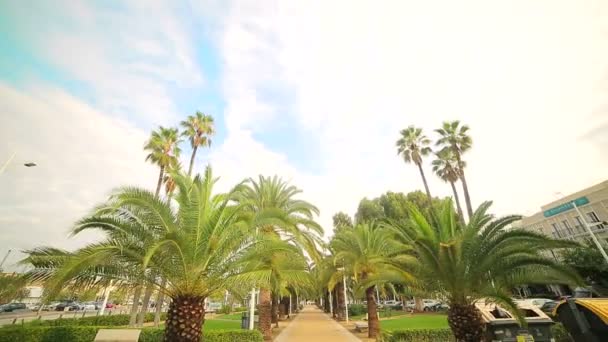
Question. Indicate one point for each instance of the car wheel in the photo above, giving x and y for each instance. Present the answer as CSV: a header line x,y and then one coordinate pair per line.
x,y
426,309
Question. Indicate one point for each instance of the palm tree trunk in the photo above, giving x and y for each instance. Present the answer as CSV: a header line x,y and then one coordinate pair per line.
x,y
465,187
160,298
160,180
135,306
341,303
426,186
185,319
274,309
372,313
144,305
192,161
282,308
465,322
457,202
264,312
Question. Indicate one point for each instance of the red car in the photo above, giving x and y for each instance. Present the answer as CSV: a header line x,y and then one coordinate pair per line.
x,y
110,306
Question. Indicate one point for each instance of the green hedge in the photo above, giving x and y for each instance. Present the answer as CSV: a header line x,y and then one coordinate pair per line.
x,y
560,334
105,321
357,309
418,335
87,334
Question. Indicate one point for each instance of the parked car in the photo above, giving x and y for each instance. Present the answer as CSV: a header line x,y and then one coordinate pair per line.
x,y
72,306
429,304
110,306
392,302
90,306
10,307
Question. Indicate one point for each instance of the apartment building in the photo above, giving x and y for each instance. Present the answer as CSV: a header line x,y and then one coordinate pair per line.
x,y
561,220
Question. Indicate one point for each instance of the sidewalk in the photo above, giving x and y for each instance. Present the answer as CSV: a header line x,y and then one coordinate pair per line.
x,y
311,324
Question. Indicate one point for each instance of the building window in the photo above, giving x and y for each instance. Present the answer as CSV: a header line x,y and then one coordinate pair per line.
x,y
593,217
579,224
567,226
556,230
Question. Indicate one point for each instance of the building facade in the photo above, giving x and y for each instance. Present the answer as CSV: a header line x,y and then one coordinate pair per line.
x,y
561,219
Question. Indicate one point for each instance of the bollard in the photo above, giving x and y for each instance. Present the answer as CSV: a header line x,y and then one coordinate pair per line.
x,y
14,321
60,316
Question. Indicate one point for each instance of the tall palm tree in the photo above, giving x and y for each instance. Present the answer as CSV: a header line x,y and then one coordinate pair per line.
x,y
369,254
480,261
198,128
447,169
297,226
412,146
163,150
453,137
196,245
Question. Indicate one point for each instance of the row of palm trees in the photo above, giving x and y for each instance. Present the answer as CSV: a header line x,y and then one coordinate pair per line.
x,y
440,257
191,243
453,141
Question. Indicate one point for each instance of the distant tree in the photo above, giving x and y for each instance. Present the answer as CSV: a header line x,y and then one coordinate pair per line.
x,y
446,167
412,146
342,220
453,137
12,287
588,262
198,128
369,210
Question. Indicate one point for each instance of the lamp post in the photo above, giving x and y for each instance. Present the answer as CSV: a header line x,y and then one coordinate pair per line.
x,y
595,240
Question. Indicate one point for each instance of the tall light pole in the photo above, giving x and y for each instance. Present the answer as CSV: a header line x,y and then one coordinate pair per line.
x,y
595,240
4,259
8,161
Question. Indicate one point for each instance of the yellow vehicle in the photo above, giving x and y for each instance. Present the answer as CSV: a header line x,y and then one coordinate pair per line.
x,y
501,326
586,319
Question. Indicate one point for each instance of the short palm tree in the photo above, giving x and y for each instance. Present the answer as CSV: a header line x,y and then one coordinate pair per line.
x,y
454,137
198,128
447,169
483,260
195,245
163,150
297,226
412,146
369,253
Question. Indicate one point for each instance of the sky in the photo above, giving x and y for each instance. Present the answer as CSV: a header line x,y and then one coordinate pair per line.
x,y
313,91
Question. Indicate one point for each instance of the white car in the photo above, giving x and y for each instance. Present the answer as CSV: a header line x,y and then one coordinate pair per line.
x,y
392,302
88,306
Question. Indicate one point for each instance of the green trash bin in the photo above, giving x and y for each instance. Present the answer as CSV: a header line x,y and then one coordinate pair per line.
x,y
501,326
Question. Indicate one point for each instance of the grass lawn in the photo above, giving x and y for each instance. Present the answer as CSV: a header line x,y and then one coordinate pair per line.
x,y
213,324
421,321
232,317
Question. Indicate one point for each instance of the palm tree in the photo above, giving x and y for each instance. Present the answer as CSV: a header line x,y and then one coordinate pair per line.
x,y
412,146
454,137
480,261
164,150
370,255
446,167
196,245
296,225
198,128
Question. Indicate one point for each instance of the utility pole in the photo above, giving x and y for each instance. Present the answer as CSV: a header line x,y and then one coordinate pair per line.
x,y
595,240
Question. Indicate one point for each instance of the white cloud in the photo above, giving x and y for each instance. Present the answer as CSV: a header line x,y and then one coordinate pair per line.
x,y
523,75
131,56
82,154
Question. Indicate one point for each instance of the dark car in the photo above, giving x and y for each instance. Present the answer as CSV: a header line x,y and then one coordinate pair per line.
x,y
10,307
548,307
72,306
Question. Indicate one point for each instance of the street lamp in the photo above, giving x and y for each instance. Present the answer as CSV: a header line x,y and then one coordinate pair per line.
x,y
28,164
595,240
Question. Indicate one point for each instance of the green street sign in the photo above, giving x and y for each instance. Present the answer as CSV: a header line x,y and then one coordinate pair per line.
x,y
565,207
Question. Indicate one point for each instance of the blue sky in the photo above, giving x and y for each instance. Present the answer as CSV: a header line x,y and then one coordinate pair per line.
x,y
314,91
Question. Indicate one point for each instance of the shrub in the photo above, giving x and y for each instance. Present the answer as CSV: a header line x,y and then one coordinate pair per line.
x,y
44,334
357,309
241,308
106,321
225,309
87,334
560,334
419,335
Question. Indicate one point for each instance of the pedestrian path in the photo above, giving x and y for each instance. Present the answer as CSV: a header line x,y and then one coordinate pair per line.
x,y
311,324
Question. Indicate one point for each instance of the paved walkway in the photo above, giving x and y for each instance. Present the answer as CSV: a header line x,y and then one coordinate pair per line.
x,y
311,324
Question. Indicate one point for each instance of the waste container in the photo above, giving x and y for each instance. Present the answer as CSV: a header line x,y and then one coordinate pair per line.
x,y
586,319
245,320
501,325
